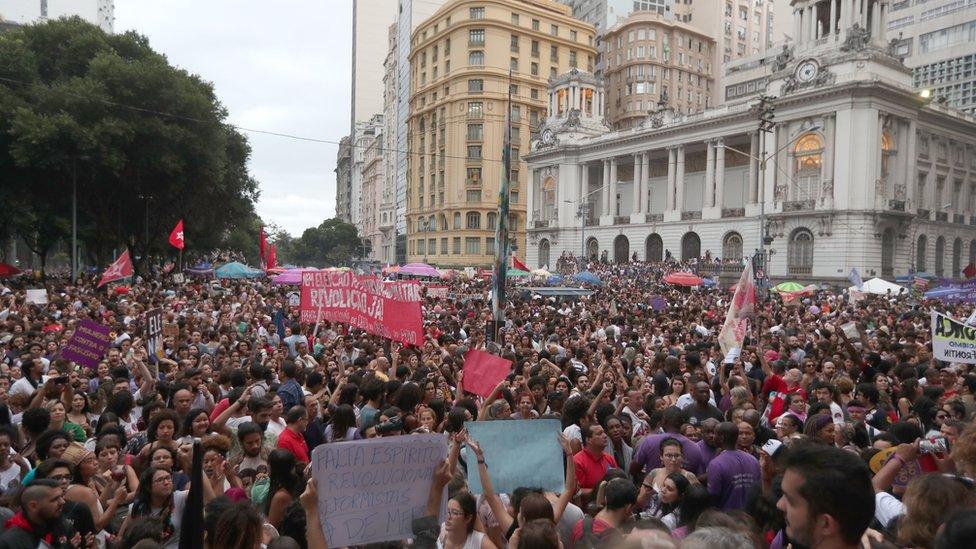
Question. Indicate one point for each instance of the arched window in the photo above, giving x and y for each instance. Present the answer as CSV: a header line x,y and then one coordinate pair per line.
x,y
621,249
444,225
543,253
431,224
888,252
690,246
807,164
592,249
654,248
732,246
492,216
457,220
549,199
800,253
940,256
473,220
956,257
920,252
887,151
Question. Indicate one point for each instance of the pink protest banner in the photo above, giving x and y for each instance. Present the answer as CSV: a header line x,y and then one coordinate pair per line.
x,y
438,291
483,371
387,309
88,344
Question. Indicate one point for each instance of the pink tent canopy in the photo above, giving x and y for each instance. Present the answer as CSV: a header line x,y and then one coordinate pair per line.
x,y
420,269
291,276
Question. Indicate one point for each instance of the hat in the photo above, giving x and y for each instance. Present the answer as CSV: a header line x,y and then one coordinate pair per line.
x,y
76,453
771,355
772,447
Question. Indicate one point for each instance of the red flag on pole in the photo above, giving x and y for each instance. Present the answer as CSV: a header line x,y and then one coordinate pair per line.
x,y
176,236
263,244
119,269
518,264
272,257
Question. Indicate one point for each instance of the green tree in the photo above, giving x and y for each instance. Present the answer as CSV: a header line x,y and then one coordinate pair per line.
x,y
333,243
148,143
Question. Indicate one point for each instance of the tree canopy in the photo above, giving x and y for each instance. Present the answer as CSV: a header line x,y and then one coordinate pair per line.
x,y
146,142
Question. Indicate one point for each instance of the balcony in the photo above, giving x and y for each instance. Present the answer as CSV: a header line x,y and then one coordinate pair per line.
x,y
799,205
593,222
543,223
896,205
942,216
733,212
685,216
800,270
959,218
621,220
923,213
655,218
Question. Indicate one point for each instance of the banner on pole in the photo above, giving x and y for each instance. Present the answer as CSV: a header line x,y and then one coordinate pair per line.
x,y
88,344
154,332
952,341
387,309
743,303
371,490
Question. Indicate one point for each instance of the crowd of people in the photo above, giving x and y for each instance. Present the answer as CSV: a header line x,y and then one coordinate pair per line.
x,y
808,436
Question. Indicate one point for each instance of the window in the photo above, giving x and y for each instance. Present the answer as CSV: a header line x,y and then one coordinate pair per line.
x,y
476,85
535,24
472,220
472,246
475,132
553,54
920,253
492,216
476,58
476,37
732,246
513,64
457,220
800,253
514,198
514,44
443,246
447,47
534,69
515,19
421,247
554,30
476,109
474,152
940,256
473,195
474,174
572,35
808,160
477,13
457,245
552,72
516,114
490,245
535,48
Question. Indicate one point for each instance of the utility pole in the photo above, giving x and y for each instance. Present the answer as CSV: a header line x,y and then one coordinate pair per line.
x,y
74,220
766,116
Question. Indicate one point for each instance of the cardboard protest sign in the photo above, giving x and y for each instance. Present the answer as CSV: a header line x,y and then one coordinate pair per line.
x,y
387,309
37,296
371,490
483,371
519,453
952,341
154,332
88,344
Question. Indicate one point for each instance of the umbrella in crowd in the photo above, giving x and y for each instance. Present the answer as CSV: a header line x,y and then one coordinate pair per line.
x,y
587,277
788,287
237,270
7,270
419,269
683,279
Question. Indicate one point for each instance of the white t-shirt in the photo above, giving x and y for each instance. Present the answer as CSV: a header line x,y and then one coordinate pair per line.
x,y
688,399
21,387
887,508
176,517
10,475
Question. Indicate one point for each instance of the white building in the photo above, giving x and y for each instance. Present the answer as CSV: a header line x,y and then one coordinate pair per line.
x,y
370,21
860,171
25,12
388,206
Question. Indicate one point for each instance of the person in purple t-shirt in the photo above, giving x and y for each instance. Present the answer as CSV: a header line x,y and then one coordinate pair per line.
x,y
648,455
733,472
707,444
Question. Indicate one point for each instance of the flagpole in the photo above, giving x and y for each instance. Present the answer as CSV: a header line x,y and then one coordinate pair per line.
x,y
501,231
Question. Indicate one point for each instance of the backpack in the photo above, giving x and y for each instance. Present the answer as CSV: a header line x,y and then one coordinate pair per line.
x,y
592,540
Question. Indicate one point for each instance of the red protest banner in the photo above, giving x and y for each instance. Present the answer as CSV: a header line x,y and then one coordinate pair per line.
x,y
388,309
483,371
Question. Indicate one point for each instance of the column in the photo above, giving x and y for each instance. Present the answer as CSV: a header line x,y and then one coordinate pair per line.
x,y
862,15
908,167
813,22
720,174
883,27
832,24
672,164
753,168
876,22
709,175
613,187
801,23
845,11
552,107
606,188
638,176
796,25
679,180
646,184
584,188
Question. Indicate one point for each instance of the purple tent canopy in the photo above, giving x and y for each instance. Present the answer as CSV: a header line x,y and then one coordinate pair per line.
x,y
291,276
419,269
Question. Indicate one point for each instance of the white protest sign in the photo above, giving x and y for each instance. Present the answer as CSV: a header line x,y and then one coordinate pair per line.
x,y
37,295
179,278
952,341
733,354
372,490
850,330
294,299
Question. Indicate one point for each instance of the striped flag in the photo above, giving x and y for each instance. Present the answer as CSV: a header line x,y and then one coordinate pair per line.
x,y
742,307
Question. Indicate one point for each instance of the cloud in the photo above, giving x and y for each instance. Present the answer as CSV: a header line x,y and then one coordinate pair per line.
x,y
280,66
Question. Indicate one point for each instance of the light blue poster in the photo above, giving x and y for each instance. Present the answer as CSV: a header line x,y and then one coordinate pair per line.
x,y
518,453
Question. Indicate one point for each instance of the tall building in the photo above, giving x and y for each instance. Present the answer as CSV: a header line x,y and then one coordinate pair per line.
x,y
373,183
651,61
370,21
25,12
855,171
343,173
411,13
388,206
364,136
938,42
460,59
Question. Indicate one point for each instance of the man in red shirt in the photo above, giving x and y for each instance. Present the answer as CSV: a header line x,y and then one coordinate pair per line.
x,y
292,438
592,461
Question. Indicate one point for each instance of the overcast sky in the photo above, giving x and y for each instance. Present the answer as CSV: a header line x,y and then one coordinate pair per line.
x,y
280,65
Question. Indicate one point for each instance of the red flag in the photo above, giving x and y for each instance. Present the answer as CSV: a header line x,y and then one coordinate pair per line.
x,y
263,243
483,372
518,264
176,237
272,257
969,271
119,269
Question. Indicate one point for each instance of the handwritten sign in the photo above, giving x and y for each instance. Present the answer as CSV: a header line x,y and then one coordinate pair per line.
x,y
384,308
519,453
37,296
88,344
154,332
371,490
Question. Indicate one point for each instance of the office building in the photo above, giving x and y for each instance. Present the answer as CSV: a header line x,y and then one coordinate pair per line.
x,y
343,173
25,12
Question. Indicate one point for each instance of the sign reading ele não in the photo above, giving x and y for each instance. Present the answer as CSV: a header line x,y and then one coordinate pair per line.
x,y
372,490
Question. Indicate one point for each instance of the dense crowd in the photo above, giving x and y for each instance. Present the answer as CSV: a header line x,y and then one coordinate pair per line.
x,y
807,437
